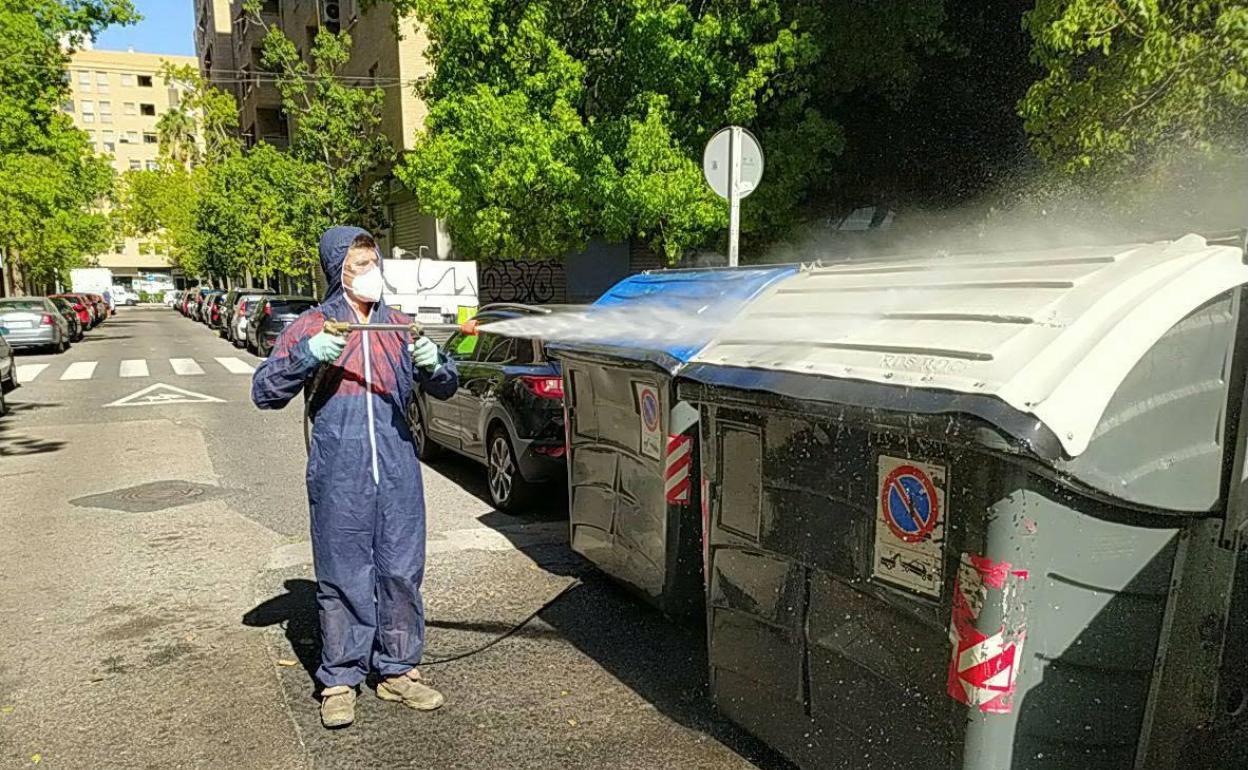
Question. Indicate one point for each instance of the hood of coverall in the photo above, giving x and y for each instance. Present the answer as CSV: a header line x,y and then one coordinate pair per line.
x,y
334,246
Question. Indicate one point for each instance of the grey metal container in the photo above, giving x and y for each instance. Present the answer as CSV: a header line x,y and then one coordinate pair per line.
x,y
917,559
632,459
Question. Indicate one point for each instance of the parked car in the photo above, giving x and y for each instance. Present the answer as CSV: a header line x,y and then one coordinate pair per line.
x,y
201,302
270,316
237,320
80,305
184,304
34,322
170,297
123,296
507,413
8,369
214,311
70,315
102,310
229,310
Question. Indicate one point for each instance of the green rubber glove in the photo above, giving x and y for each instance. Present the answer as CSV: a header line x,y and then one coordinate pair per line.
x,y
425,354
326,347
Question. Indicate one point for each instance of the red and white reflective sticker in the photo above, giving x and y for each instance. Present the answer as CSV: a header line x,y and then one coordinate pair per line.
x,y
984,667
679,463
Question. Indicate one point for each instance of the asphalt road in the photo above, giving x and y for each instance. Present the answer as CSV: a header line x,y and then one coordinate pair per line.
x,y
158,597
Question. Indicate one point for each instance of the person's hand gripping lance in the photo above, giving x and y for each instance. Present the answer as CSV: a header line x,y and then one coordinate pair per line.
x,y
424,351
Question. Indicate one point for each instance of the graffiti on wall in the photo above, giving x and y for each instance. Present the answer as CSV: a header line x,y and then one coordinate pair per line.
x,y
530,283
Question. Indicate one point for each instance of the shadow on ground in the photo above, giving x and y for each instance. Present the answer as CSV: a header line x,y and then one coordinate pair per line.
x,y
14,443
662,662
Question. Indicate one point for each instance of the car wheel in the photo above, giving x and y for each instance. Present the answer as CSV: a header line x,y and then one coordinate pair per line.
x,y
426,448
4,407
61,345
508,489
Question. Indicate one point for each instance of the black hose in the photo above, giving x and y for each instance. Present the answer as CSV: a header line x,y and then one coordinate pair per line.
x,y
508,633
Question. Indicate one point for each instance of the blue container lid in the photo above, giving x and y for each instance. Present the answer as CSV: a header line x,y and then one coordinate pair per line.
x,y
707,298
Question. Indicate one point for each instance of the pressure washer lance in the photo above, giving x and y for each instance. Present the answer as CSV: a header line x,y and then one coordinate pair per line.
x,y
342,328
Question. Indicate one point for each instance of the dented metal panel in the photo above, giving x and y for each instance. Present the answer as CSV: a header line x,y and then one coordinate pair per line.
x,y
814,652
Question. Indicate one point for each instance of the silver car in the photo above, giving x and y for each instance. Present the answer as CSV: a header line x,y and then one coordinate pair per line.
x,y
8,371
33,322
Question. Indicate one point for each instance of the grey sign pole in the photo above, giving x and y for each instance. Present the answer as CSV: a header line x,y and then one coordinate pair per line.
x,y
733,167
734,195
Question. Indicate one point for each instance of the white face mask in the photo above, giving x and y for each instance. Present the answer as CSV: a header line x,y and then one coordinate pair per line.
x,y
368,286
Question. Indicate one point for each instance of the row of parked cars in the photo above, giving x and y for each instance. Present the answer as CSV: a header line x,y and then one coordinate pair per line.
x,y
50,323
249,318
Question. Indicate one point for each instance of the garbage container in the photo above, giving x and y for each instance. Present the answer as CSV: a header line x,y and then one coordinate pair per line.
x,y
631,448
968,512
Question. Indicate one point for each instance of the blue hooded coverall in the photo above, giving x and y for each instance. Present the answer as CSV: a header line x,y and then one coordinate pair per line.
x,y
364,483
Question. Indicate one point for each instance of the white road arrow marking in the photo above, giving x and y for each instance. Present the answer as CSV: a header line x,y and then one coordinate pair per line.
x,y
160,393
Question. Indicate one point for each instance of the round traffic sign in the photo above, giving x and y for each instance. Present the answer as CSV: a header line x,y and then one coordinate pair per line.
x,y
650,409
908,500
717,162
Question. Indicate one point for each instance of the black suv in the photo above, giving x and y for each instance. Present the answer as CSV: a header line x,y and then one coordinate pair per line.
x,y
507,412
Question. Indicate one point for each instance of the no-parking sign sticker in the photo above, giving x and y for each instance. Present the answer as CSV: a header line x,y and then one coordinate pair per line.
x,y
651,419
910,525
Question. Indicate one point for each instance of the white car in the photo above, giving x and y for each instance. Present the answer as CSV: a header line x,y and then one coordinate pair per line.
x,y
123,296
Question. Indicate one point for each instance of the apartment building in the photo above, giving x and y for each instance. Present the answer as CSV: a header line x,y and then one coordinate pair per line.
x,y
378,57
214,43
117,97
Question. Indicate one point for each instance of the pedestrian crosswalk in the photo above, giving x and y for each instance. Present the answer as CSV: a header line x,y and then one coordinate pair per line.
x,y
132,368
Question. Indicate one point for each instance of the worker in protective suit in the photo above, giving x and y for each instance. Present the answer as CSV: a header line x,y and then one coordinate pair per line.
x,y
364,482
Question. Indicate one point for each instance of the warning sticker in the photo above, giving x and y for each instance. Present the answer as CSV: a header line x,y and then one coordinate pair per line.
x,y
910,525
651,429
986,632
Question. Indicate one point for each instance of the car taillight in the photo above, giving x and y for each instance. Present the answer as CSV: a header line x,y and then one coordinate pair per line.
x,y
47,320
544,387
556,451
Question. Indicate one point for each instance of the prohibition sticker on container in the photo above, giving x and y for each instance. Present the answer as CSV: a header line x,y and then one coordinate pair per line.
x,y
910,525
651,433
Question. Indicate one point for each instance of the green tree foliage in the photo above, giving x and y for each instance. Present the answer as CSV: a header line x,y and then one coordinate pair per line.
x,y
51,181
260,212
337,121
551,123
1124,78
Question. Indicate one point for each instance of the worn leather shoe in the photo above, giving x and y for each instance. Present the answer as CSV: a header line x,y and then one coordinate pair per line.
x,y
337,706
411,691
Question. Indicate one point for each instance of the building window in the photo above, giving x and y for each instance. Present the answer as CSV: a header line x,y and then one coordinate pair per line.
x,y
109,147
132,137
131,108
88,111
68,105
145,81
84,81
135,164
149,138
153,165
106,112
148,109
119,248
101,82
127,80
